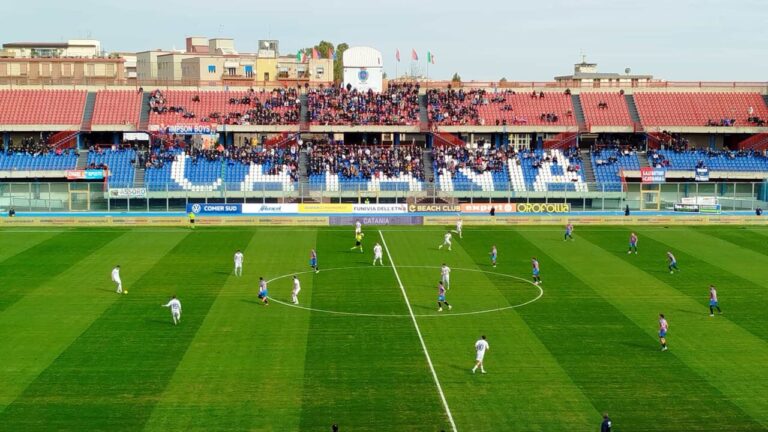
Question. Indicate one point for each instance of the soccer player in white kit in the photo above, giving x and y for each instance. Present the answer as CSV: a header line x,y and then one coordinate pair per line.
x,y
377,254
116,279
481,346
446,241
445,273
358,227
459,223
238,263
175,306
296,290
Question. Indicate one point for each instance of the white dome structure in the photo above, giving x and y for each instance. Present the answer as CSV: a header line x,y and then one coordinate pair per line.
x,y
363,68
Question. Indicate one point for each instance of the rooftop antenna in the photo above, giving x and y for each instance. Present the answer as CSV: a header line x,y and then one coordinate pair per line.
x,y
583,56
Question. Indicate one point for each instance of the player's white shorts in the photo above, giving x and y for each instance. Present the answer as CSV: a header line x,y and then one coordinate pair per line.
x,y
117,281
296,291
446,279
446,242
238,265
377,256
176,314
480,356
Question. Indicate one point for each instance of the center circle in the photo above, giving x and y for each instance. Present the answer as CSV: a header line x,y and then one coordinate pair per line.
x,y
362,314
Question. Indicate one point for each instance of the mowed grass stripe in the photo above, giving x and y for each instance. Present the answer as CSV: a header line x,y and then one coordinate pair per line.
x,y
582,329
14,242
744,238
32,267
732,355
364,373
41,325
113,374
740,276
244,368
525,388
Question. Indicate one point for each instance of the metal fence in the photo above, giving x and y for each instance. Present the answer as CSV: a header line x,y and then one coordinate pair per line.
x,y
81,197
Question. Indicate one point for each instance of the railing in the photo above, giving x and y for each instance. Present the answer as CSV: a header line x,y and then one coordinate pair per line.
x,y
50,197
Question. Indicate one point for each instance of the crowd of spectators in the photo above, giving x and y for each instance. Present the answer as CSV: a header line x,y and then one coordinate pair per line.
x,y
460,107
608,149
277,107
366,162
398,105
753,119
727,122
457,107
480,159
34,146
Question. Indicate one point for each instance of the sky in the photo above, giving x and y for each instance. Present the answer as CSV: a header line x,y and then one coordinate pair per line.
x,y
481,40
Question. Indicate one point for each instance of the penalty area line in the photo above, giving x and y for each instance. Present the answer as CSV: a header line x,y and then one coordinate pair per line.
x,y
421,338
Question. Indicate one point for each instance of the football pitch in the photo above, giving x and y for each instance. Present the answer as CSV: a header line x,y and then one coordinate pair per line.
x,y
366,347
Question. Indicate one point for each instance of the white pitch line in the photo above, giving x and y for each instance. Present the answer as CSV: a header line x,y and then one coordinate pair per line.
x,y
421,338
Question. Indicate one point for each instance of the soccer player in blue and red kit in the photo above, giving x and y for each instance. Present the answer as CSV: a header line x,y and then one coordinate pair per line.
x,y
632,243
672,262
663,327
568,232
313,261
535,265
441,297
713,301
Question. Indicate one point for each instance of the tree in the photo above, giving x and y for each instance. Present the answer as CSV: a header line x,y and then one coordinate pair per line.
x,y
322,49
456,77
503,80
338,66
384,75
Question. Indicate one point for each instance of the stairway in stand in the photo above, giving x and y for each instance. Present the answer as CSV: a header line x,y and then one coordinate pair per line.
x,y
586,166
82,160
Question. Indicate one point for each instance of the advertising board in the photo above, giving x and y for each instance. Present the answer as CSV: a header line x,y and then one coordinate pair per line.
x,y
325,208
376,220
252,208
652,175
128,193
214,209
379,208
434,208
486,207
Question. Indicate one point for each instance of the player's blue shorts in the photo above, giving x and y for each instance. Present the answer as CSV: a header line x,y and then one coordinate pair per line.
x,y
263,294
493,257
662,333
313,262
535,272
713,303
441,298
632,244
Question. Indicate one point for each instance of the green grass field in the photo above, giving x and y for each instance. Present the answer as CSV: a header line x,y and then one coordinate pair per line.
x,y
76,356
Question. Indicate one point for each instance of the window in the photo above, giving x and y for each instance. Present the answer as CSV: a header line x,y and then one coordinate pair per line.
x,y
249,71
212,69
232,71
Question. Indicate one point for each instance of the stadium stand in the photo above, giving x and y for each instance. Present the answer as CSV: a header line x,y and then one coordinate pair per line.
x,y
608,163
605,109
460,168
35,154
117,108
398,105
179,107
701,109
335,167
479,107
490,169
714,160
241,169
44,107
119,162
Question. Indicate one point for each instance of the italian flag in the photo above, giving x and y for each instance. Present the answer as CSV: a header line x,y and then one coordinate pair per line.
x,y
430,57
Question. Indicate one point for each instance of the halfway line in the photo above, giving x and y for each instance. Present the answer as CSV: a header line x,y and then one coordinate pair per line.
x,y
421,339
